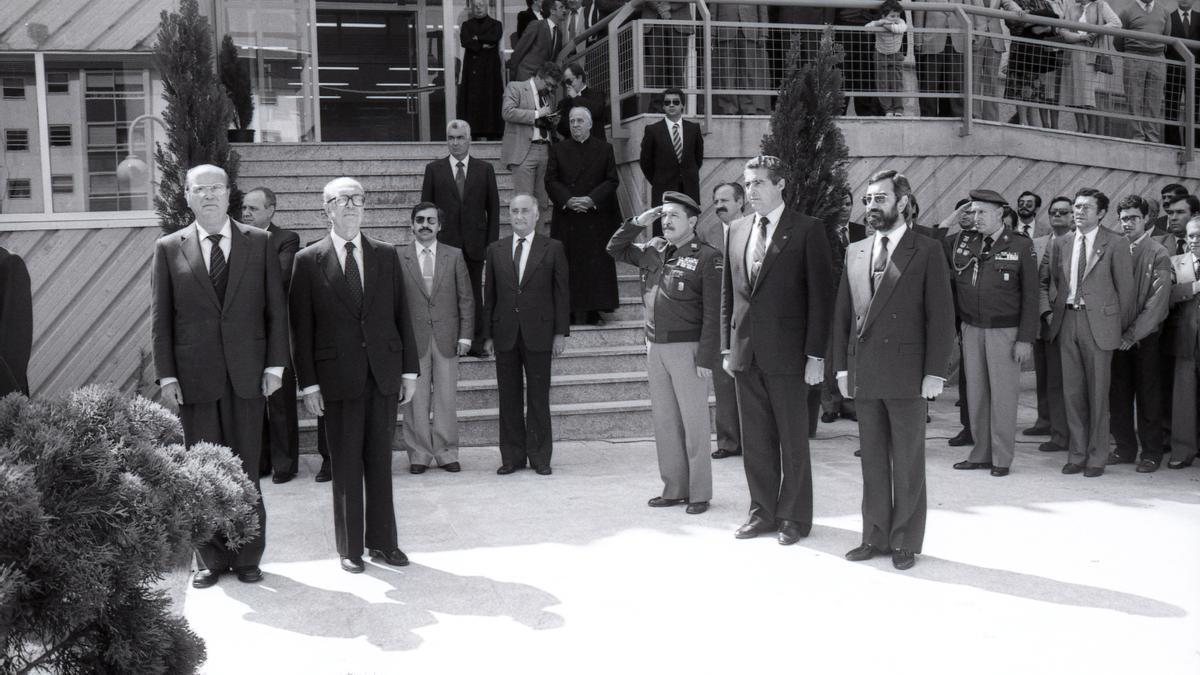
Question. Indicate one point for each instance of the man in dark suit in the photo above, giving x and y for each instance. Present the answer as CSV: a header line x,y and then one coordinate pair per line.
x,y
465,191
893,332
355,355
729,200
574,79
220,342
778,286
526,301
16,324
443,314
1171,192
1184,23
672,152
1180,210
849,232
1089,295
540,42
281,431
1181,340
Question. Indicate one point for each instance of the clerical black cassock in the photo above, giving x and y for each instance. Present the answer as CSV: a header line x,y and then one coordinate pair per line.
x,y
586,169
481,85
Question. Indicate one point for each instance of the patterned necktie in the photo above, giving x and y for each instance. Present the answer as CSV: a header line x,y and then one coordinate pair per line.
x,y
669,252
353,279
571,25
218,271
427,269
517,256
677,142
880,265
1080,269
460,179
760,250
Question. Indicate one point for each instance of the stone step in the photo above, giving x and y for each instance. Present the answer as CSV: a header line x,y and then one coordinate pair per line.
x,y
296,152
617,359
630,309
582,388
611,334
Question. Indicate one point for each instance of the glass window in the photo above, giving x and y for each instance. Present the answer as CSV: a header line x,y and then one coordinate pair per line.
x,y
20,188
16,140
58,82
14,88
20,154
62,183
60,135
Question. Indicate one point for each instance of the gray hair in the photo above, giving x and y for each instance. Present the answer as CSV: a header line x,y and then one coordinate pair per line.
x,y
458,124
332,186
199,168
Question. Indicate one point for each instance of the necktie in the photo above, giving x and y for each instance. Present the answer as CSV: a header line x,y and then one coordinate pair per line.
x,y
986,252
517,256
218,271
571,25
880,265
427,269
1025,232
555,39
669,252
843,236
1180,246
677,142
460,179
1081,268
1187,19
353,278
760,250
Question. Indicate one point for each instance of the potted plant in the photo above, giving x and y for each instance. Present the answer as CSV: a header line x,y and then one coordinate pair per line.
x,y
235,76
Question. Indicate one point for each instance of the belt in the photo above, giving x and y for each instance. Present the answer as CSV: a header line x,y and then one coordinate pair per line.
x,y
1077,308
540,141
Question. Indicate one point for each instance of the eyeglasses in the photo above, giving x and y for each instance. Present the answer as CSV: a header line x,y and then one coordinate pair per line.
x,y
879,199
1060,212
214,189
1192,237
672,101
1130,219
343,200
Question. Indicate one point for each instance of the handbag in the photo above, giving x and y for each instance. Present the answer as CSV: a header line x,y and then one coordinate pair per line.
x,y
1103,64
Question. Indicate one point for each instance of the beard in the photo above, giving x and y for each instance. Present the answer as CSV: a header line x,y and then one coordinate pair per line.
x,y
882,220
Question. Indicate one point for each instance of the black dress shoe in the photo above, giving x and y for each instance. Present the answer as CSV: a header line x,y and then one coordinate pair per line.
x,y
452,467
790,532
417,468
829,417
1179,463
1051,446
250,575
659,502
963,438
394,557
324,475
862,552
506,469
969,466
1148,465
999,471
696,508
281,478
1071,469
1037,430
543,471
205,578
753,528
1093,472
353,565
722,453
902,559
1114,458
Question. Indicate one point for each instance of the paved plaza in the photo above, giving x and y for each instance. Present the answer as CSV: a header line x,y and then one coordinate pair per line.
x,y
1033,573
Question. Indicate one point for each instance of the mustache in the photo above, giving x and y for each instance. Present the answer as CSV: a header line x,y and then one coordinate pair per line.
x,y
424,228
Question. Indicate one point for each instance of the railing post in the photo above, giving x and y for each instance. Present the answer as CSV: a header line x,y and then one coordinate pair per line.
x,y
1189,103
706,26
968,77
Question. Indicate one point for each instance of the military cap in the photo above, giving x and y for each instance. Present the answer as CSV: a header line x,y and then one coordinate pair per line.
x,y
989,196
671,197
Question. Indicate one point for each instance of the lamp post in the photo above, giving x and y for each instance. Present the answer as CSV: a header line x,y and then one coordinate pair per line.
x,y
133,170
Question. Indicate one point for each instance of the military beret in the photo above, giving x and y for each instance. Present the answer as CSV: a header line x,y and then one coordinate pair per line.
x,y
670,197
989,196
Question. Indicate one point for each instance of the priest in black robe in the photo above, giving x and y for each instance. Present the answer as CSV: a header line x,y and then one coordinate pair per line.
x,y
481,85
581,179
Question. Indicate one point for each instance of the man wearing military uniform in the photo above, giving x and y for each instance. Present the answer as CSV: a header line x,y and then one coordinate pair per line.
x,y
681,289
996,284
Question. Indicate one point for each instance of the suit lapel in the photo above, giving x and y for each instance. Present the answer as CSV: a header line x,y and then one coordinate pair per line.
x,y
897,263
327,259
779,239
739,239
858,273
238,245
536,252
371,271
412,257
1096,253
448,173
189,245
441,267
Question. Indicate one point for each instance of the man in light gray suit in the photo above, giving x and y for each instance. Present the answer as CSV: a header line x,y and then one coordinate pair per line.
x,y
442,308
1089,295
530,116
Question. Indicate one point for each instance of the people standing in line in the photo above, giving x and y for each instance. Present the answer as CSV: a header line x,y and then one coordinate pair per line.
x,y
526,315
464,189
530,117
1181,338
1137,361
996,295
681,289
220,336
16,324
481,84
893,331
1052,414
848,232
441,306
777,295
729,200
672,152
356,360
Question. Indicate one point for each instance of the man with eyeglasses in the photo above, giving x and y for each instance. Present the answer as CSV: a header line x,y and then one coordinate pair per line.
x,y
1052,414
1028,204
1137,361
356,360
1181,340
530,117
672,152
1088,296
220,338
578,93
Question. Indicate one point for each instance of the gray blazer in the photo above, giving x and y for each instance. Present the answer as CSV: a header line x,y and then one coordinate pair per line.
x,y
519,110
448,313
1109,291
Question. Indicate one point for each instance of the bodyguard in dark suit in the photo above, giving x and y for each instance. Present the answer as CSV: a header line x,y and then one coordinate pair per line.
x,y
355,356
893,331
470,202
281,431
578,94
666,166
220,342
526,316
16,324
729,200
778,282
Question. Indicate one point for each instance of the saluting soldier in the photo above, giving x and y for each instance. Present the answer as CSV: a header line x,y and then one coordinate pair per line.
x,y
681,289
996,284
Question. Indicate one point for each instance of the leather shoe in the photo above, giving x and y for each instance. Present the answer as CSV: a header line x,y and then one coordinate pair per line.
x,y
543,471
999,471
1179,463
753,528
506,469
394,557
1051,446
663,501
1037,430
968,466
862,552
324,475
902,559
696,508
250,575
417,469
1071,469
1114,458
452,467
1148,465
353,565
205,578
829,417
963,438
722,453
1093,472
790,532
281,478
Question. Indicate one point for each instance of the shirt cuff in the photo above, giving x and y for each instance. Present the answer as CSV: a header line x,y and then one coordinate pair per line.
x,y
841,374
464,341
818,359
277,371
939,377
167,380
312,389
409,376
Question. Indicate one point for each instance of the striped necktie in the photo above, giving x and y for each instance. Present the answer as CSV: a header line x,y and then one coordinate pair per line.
x,y
677,142
218,271
760,250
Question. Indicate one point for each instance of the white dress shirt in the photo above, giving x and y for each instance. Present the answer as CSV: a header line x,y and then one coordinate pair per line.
x,y
1027,229
1090,238
539,134
524,253
339,247
772,222
466,160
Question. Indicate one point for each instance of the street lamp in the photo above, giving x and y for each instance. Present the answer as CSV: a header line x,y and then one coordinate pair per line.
x,y
133,170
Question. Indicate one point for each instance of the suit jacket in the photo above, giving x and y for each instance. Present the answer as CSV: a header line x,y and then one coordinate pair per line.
x,y
889,343
336,343
779,321
663,169
519,110
1181,332
201,341
945,27
285,243
1169,242
990,29
471,221
1175,28
672,11
1108,290
447,314
16,324
535,47
538,307
1152,288
589,98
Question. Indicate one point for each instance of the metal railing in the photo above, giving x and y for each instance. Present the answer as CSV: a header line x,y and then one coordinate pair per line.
x,y
953,61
